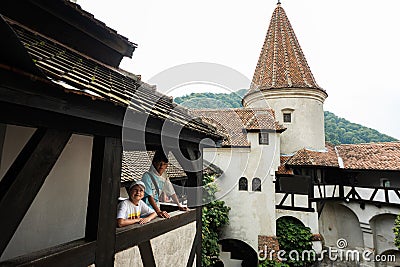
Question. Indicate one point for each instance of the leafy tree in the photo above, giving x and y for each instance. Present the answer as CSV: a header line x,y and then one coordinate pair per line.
x,y
273,263
215,215
396,230
294,236
337,130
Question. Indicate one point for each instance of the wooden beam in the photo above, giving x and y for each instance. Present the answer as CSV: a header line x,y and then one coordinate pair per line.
x,y
103,197
25,177
195,179
193,251
75,253
147,254
133,235
35,117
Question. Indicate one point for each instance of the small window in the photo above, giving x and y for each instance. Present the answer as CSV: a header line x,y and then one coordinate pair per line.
x,y
287,117
243,184
263,138
256,184
385,182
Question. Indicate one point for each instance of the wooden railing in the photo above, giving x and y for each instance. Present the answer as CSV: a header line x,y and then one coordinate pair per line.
x,y
367,194
82,253
292,201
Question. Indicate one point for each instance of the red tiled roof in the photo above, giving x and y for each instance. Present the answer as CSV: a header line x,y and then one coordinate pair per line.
x,y
283,169
282,63
373,156
306,157
78,73
135,163
233,123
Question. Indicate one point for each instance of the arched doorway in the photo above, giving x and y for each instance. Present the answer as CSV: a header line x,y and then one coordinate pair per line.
x,y
339,222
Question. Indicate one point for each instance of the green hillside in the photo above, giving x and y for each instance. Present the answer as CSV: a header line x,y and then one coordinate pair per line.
x,y
337,130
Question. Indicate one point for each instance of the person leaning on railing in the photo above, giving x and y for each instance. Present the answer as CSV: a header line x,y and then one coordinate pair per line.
x,y
134,210
156,184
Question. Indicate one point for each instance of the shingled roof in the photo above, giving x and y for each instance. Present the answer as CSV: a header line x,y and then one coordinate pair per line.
x,y
234,123
135,163
282,63
307,157
80,74
373,156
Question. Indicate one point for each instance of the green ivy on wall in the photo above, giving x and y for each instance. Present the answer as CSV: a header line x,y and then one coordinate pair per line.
x,y
215,215
396,231
292,236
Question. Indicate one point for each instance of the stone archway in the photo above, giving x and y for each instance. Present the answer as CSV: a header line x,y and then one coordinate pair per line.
x,y
340,222
383,235
389,258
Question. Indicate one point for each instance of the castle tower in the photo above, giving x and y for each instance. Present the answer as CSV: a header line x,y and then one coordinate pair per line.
x,y
283,81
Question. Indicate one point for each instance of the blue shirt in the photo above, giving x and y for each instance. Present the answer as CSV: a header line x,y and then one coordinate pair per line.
x,y
164,185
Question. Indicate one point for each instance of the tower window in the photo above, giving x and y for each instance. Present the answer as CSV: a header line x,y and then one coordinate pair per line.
x,y
287,117
256,184
263,138
243,184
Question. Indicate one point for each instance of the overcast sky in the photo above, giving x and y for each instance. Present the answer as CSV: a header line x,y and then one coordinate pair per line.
x,y
352,47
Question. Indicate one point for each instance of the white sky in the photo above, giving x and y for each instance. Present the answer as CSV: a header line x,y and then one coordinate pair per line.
x,y
352,47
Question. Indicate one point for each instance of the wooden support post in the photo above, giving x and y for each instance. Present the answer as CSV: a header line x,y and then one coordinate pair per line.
x,y
146,252
25,177
196,180
104,188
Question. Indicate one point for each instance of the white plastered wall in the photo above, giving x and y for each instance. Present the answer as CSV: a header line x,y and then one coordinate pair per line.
x,y
252,213
170,249
58,213
307,127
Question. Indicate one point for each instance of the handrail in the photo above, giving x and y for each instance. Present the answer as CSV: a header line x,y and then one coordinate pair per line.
x,y
82,252
133,235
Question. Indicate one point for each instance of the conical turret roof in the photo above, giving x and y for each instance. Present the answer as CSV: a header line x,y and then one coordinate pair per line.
x,y
282,63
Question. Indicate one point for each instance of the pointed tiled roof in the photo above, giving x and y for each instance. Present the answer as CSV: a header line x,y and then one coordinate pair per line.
x,y
282,63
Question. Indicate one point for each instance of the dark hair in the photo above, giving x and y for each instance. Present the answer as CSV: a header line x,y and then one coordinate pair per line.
x,y
159,156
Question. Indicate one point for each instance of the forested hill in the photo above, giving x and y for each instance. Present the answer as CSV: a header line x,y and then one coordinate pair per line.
x,y
337,130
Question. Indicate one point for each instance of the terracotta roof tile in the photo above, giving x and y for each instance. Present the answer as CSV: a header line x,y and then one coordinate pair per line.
x,y
306,157
233,123
283,169
135,163
282,63
78,73
373,156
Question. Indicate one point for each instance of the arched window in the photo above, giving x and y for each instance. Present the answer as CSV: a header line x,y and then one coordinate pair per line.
x,y
243,184
256,184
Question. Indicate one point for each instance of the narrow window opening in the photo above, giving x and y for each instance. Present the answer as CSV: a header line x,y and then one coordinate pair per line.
x,y
263,138
243,184
256,184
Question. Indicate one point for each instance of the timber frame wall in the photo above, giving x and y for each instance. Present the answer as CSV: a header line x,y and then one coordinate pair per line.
x,y
33,102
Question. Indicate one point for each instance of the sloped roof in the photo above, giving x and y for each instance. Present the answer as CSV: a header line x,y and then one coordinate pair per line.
x,y
234,123
283,169
80,74
282,63
135,163
306,157
372,156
